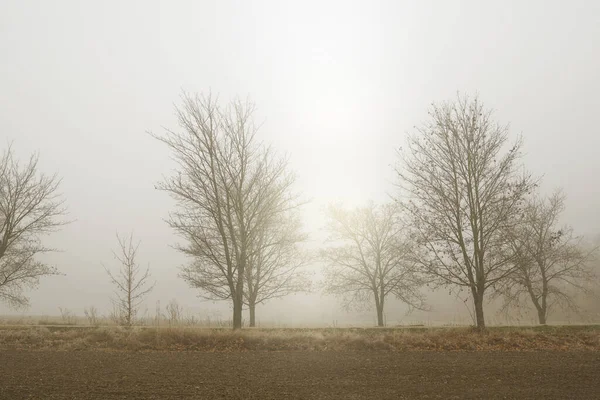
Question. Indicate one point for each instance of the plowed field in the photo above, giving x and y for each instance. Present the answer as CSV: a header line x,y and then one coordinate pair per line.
x,y
298,375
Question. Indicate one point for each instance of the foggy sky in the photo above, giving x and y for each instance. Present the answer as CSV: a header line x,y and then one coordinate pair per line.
x,y
337,85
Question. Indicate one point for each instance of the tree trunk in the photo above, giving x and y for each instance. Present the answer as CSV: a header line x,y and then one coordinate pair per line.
x,y
540,308
479,319
380,315
237,312
252,307
238,297
543,311
378,306
542,316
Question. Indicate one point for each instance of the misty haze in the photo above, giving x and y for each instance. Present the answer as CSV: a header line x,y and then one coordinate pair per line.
x,y
266,199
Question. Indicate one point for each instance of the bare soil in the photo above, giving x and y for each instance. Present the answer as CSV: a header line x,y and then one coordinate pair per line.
x,y
298,375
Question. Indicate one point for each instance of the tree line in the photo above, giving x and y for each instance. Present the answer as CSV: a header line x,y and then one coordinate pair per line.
x,y
465,215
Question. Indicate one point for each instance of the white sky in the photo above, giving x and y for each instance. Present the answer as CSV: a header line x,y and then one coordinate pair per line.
x,y
337,84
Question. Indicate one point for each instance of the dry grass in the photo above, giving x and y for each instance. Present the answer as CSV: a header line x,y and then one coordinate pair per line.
x,y
102,320
391,339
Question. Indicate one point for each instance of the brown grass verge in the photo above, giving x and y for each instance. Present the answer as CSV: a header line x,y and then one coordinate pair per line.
x,y
586,338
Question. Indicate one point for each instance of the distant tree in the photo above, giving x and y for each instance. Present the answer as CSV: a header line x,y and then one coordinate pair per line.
x,y
367,258
462,190
130,280
552,264
30,207
91,313
174,312
275,263
228,186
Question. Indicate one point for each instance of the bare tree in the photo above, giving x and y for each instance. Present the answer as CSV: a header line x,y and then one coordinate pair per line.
x,y
462,189
91,313
275,263
30,207
552,264
174,312
369,260
67,316
131,282
227,187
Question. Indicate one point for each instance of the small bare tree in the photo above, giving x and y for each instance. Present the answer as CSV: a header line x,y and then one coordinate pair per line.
x,y
227,187
67,316
174,311
276,263
370,258
462,188
552,264
91,313
130,280
30,207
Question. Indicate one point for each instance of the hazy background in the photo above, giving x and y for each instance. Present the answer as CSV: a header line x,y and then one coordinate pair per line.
x,y
337,84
